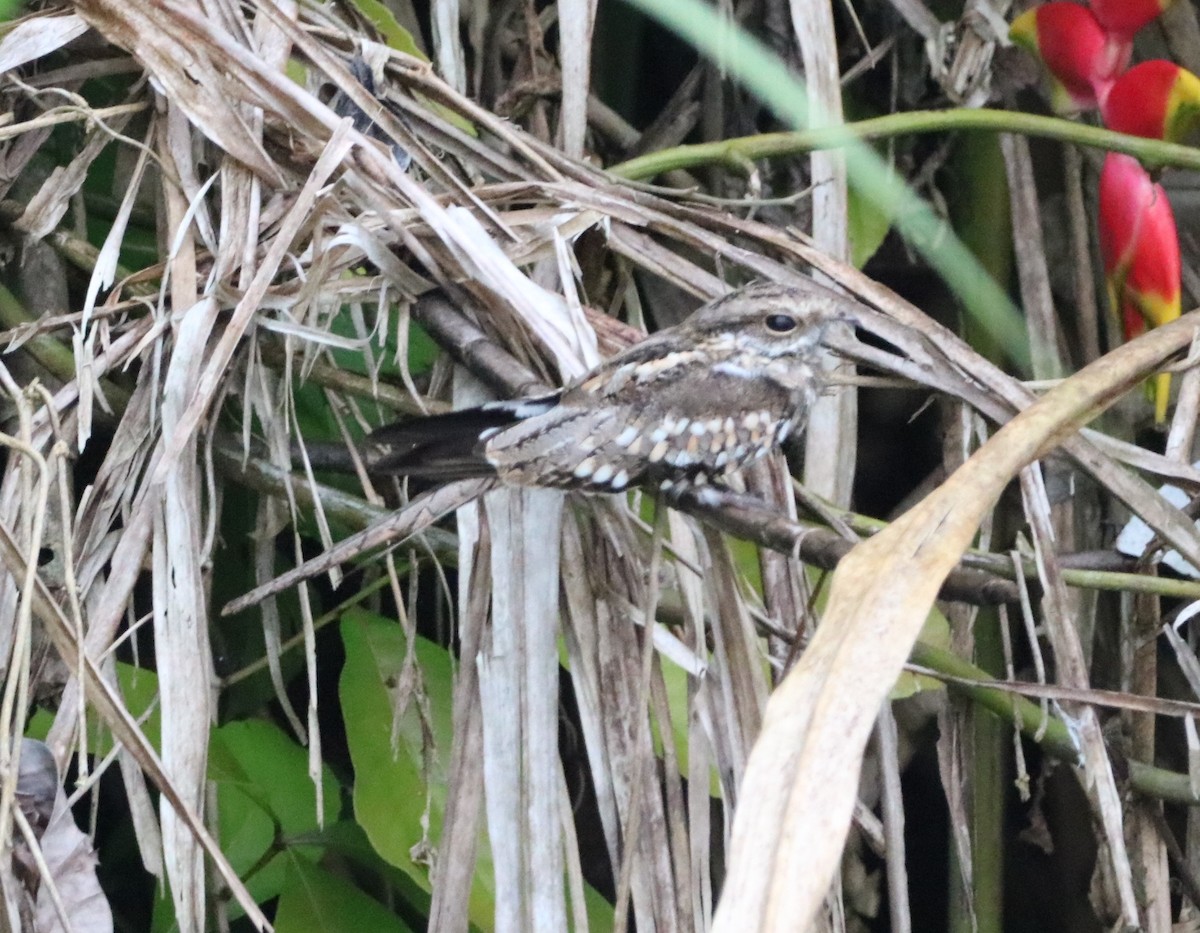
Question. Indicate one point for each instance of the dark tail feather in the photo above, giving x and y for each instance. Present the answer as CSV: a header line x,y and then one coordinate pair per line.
x,y
440,447
446,447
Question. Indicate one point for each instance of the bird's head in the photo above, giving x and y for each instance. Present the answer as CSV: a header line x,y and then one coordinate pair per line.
x,y
772,320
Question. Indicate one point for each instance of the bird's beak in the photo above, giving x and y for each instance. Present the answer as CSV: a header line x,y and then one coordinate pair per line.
x,y
837,333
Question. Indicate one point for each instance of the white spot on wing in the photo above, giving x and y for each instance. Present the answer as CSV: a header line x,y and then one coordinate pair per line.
x,y
627,437
586,468
603,475
620,481
658,452
732,369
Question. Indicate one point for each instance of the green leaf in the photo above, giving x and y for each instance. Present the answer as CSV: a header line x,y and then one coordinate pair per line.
x,y
976,185
394,782
139,688
386,24
747,560
396,36
247,832
265,798
679,702
347,840
314,901
869,226
272,767
238,640
868,222
422,350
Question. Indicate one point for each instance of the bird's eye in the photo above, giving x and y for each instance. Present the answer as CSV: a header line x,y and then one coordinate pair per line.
x,y
781,323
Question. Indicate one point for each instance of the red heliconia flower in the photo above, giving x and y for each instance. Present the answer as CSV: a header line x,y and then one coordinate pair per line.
x,y
1125,17
1140,246
1082,58
1156,99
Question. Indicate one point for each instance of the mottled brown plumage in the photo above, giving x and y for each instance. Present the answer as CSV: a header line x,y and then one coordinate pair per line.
x,y
689,404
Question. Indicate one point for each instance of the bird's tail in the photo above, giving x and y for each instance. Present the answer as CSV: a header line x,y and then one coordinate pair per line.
x,y
450,446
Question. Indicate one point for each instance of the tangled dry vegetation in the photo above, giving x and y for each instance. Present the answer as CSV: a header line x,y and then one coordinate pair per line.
x,y
272,230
